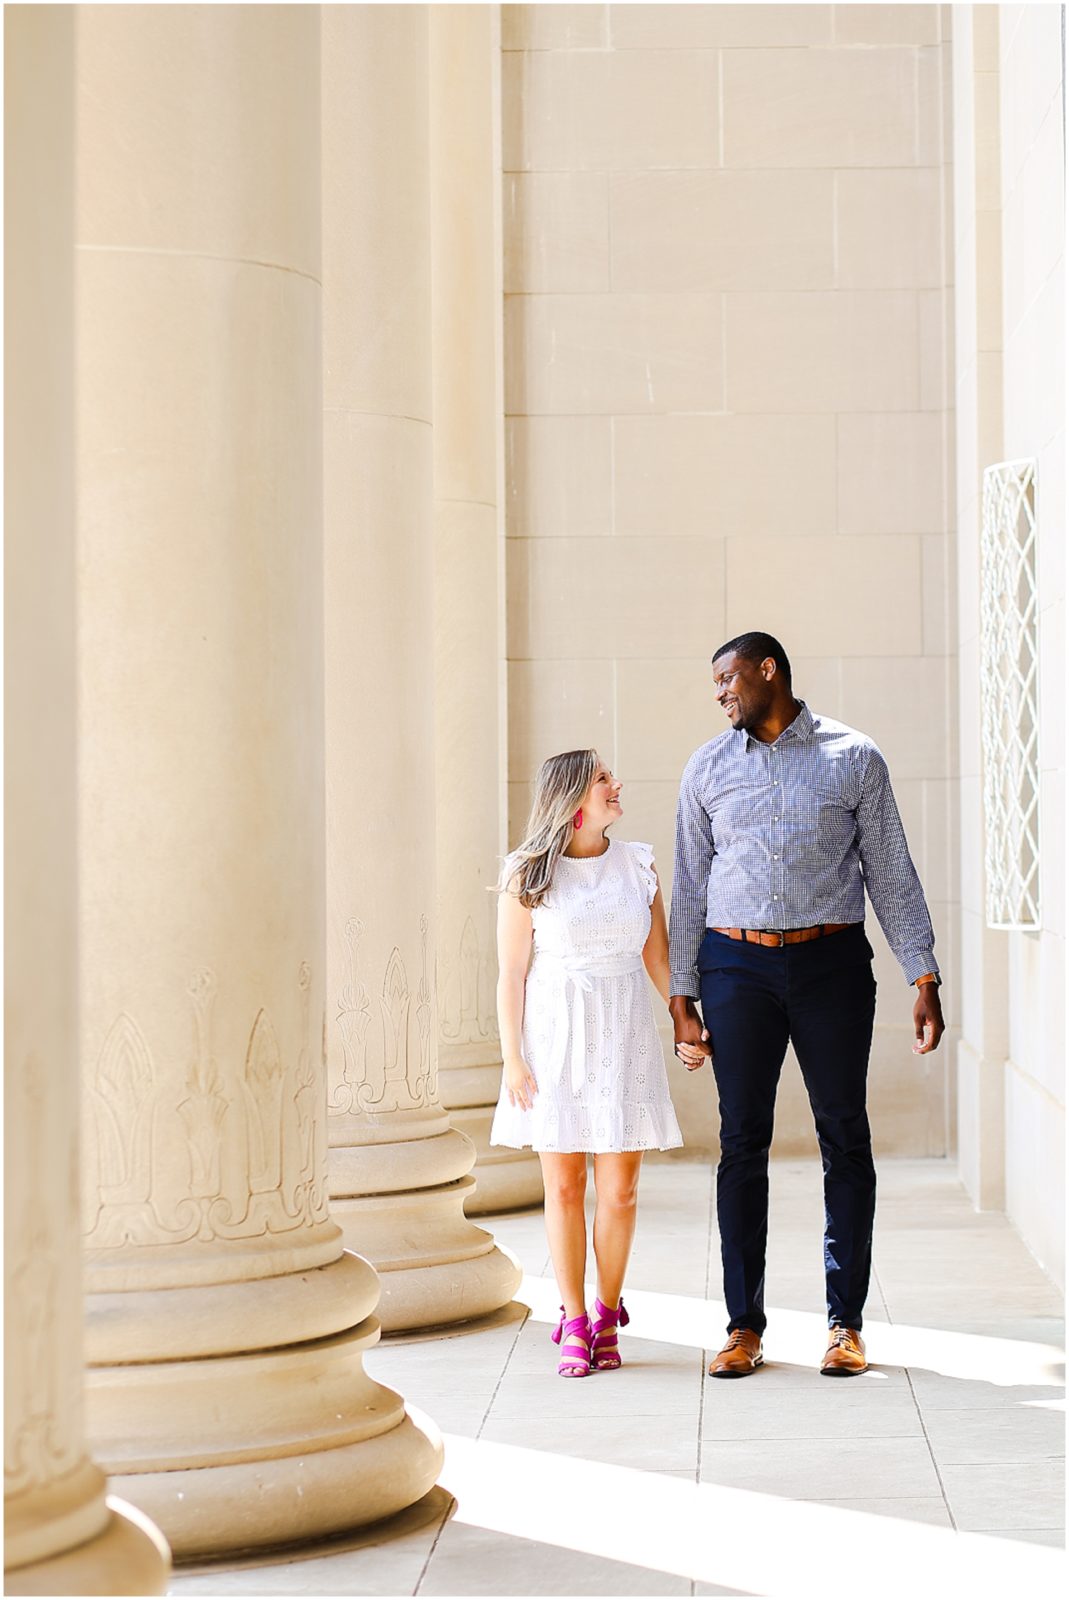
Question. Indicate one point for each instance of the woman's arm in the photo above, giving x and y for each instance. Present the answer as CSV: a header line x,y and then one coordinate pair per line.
x,y
514,935
655,950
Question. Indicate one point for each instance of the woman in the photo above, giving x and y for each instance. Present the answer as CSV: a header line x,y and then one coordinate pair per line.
x,y
579,915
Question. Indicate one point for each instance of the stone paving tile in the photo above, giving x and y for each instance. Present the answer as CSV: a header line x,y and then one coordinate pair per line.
x,y
470,1363
1042,1330
930,1509
679,1271
452,1415
1055,1537
425,1389
1007,1330
1025,1435
981,1253
990,1496
796,1291
386,1360
635,1391
816,1469
476,1371
937,1392
478,1562
948,1305
648,1443
387,1559
745,1411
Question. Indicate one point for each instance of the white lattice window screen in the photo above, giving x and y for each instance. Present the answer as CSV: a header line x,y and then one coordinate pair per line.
x,y
1009,686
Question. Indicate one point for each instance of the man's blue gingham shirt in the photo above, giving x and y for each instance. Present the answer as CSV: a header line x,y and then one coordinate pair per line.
x,y
790,834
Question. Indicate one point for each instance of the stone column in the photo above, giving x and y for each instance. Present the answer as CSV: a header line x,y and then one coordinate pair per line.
x,y
399,1172
470,695
227,1326
61,1535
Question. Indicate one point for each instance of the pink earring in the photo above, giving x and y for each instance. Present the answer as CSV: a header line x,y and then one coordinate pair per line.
x,y
577,820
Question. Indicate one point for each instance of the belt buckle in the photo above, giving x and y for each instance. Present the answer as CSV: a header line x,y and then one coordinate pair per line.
x,y
781,935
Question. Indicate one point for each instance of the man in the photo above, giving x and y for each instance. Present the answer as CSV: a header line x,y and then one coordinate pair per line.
x,y
784,821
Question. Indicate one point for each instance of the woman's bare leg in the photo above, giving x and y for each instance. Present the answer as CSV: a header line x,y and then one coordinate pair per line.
x,y
616,1181
564,1177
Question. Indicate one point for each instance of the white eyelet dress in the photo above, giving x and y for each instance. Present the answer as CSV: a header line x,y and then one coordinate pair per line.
x,y
589,1035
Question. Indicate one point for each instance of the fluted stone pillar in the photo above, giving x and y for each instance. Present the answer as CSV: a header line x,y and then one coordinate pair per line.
x,y
468,584
61,1535
226,1324
399,1172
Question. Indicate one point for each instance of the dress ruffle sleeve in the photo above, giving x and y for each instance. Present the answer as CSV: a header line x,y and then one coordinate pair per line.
x,y
642,855
508,869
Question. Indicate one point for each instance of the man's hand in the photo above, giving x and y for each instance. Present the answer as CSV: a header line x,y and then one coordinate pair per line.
x,y
692,1047
928,1024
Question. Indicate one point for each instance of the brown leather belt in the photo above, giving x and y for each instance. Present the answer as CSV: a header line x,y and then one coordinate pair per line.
x,y
775,939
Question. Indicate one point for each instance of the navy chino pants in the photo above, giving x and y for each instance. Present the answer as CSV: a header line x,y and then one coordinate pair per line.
x,y
820,996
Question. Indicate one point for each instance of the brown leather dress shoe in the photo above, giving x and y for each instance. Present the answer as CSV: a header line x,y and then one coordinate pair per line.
x,y
845,1355
739,1357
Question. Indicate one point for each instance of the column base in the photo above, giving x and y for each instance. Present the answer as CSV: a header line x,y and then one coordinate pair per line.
x,y
247,1506
435,1267
401,1204
128,1556
269,1444
505,1180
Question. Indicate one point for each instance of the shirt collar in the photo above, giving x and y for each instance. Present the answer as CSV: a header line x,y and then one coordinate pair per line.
x,y
800,728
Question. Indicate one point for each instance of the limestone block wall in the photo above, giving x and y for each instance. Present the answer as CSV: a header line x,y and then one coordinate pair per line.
x,y
728,405
1009,228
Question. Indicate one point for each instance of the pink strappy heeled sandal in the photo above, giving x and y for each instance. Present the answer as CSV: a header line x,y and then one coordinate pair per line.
x,y
574,1340
604,1349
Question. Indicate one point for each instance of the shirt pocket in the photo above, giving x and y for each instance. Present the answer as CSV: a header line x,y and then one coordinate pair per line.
x,y
739,810
828,808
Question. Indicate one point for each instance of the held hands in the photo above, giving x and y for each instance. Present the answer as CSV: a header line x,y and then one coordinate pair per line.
x,y
691,1046
928,1024
519,1080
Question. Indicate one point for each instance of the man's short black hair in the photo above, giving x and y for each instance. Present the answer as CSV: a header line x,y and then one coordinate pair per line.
x,y
757,647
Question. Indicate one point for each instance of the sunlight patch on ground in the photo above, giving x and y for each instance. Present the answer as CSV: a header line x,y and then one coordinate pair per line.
x,y
798,1337
753,1542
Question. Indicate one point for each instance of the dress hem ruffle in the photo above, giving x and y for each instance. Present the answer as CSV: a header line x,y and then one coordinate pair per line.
x,y
633,1126
584,1150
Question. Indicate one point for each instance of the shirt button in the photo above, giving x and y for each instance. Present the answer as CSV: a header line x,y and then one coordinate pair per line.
x,y
775,897
775,858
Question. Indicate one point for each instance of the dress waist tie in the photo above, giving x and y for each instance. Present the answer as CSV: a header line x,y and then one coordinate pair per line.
x,y
578,975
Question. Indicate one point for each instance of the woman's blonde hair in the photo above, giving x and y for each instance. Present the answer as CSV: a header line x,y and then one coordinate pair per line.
x,y
561,786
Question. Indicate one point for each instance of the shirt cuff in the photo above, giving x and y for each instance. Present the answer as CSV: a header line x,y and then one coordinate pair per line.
x,y
916,965
687,983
